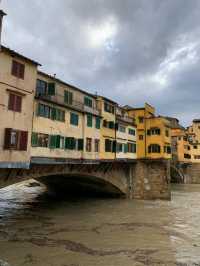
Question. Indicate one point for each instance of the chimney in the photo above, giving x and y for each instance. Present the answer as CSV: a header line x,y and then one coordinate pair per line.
x,y
2,14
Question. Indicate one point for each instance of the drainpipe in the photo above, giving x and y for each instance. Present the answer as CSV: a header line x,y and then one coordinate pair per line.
x,y
2,14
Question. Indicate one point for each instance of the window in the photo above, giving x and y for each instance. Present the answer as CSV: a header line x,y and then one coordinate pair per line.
x,y
108,145
132,147
54,141
70,143
15,139
119,147
105,123
41,87
96,145
44,110
42,140
80,144
109,108
154,148
187,156
51,112
98,123
167,149
179,138
74,119
167,133
15,102
197,157
122,129
51,89
89,120
140,137
68,97
111,124
195,147
141,119
88,144
131,132
87,101
18,69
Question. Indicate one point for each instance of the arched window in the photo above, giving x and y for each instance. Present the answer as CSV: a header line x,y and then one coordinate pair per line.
x,y
154,148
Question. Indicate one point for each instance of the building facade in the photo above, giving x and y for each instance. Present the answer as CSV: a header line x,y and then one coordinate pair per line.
x,y
193,133
66,123
126,135
153,133
17,89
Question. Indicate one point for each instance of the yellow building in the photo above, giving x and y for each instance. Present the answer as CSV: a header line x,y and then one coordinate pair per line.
x,y
181,148
108,132
66,123
153,133
126,135
17,88
193,132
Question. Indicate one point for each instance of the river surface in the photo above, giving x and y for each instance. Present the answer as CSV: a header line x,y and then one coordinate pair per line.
x,y
39,230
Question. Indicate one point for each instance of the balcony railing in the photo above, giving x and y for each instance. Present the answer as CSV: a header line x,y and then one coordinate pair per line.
x,y
126,119
59,99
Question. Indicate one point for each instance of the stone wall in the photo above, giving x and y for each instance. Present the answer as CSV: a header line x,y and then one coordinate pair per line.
x,y
152,180
192,173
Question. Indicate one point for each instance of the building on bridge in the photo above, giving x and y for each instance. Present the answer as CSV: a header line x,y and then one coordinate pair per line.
x,y
193,133
17,88
153,133
66,123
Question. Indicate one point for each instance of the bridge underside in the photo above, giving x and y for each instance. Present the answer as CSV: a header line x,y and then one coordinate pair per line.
x,y
142,179
65,185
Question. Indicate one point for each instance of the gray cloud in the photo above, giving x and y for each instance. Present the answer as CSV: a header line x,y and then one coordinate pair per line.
x,y
132,50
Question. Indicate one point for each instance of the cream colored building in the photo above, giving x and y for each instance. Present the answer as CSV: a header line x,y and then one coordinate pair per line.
x,y
66,123
17,89
126,135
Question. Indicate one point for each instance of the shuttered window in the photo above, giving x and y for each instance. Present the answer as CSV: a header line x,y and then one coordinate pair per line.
x,y
14,102
108,145
98,123
51,112
88,144
15,139
70,143
96,145
74,119
51,89
18,69
34,139
68,97
89,120
87,101
41,87
55,142
80,144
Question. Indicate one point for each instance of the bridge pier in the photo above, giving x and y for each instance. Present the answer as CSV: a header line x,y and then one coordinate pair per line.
x,y
152,180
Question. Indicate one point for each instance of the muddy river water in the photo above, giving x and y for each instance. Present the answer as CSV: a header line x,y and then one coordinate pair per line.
x,y
39,230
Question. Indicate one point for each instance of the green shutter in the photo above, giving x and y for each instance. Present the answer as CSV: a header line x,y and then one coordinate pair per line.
x,y
51,89
88,101
52,142
114,146
74,119
57,141
68,97
80,144
67,142
53,113
98,122
125,148
89,120
34,139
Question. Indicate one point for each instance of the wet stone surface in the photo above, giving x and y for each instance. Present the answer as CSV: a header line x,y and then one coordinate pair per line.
x,y
38,230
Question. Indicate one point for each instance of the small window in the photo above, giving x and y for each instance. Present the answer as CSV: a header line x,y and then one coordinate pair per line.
x,y
119,147
154,148
80,144
74,118
51,89
68,97
15,139
108,145
131,132
96,145
109,108
122,129
89,120
88,144
70,143
141,119
42,140
87,101
132,147
18,69
98,123
167,133
41,87
140,137
15,102
195,147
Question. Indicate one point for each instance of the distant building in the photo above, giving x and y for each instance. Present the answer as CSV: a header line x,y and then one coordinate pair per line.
x,y
193,132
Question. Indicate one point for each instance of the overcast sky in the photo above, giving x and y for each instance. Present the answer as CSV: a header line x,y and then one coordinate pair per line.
x,y
133,51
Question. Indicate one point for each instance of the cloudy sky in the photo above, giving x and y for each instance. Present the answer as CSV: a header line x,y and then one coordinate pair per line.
x,y
133,51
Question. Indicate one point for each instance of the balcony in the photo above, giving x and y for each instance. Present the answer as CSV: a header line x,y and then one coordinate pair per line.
x,y
126,119
59,99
